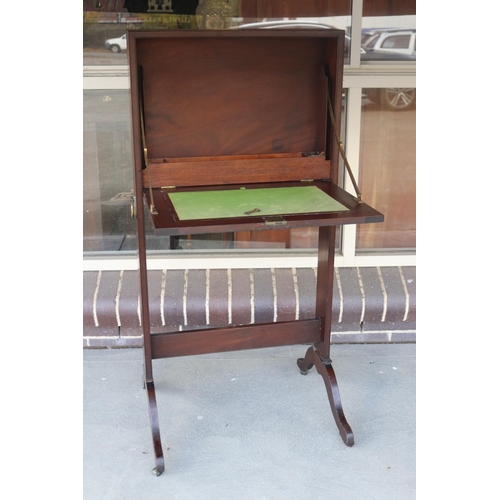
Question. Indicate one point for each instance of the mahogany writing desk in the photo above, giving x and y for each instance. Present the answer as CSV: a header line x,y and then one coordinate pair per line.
x,y
237,130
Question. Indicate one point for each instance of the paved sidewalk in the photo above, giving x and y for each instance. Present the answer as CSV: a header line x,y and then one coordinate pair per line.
x,y
248,426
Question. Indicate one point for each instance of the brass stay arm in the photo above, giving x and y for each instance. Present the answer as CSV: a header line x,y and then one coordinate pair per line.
x,y
152,207
341,148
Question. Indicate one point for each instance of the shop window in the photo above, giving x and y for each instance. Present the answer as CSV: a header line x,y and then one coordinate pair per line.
x,y
387,160
388,168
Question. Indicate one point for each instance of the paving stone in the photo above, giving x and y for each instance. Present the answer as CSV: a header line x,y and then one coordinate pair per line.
x,y
218,297
89,287
240,297
306,280
105,308
129,304
263,295
173,301
196,297
285,295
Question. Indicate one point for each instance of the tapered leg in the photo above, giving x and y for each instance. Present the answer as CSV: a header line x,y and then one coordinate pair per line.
x,y
148,382
324,368
155,430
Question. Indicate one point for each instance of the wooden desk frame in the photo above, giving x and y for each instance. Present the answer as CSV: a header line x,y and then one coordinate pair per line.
x,y
301,70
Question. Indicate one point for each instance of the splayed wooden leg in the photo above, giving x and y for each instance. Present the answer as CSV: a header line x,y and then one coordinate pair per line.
x,y
155,429
324,368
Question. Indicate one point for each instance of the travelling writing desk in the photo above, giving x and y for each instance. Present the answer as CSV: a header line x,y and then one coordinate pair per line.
x,y
237,130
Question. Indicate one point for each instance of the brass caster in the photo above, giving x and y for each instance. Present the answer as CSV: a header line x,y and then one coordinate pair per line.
x,y
155,472
303,372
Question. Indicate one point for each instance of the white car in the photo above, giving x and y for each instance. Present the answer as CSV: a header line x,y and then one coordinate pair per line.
x,y
395,41
116,44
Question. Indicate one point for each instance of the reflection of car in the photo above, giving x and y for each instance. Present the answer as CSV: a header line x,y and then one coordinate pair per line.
x,y
367,53
116,44
395,41
283,24
396,99
378,55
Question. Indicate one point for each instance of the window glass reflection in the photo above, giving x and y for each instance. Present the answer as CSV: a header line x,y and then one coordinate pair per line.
x,y
388,31
388,167
105,22
107,170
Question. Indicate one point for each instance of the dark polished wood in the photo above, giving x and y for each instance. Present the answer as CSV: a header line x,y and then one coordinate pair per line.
x,y
231,109
235,338
324,368
324,286
184,173
155,430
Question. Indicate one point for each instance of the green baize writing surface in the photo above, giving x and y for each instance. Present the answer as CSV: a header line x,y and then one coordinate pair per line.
x,y
230,203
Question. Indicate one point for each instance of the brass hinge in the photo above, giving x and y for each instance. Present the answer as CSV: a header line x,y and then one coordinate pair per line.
x,y
275,220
